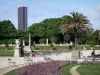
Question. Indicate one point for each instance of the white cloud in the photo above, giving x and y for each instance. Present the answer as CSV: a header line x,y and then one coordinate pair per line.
x,y
94,17
94,14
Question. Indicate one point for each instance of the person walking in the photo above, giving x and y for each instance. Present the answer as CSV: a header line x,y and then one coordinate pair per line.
x,y
57,52
21,50
93,53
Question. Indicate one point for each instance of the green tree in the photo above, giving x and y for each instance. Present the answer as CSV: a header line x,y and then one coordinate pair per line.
x,y
77,22
23,35
7,31
36,30
96,36
51,27
46,29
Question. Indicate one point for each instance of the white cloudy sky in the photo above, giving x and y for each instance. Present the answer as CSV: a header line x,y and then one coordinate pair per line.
x,y
39,10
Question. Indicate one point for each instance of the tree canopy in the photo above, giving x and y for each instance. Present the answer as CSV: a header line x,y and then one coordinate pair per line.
x,y
76,22
57,30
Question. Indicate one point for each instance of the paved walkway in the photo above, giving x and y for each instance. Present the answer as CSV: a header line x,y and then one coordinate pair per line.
x,y
7,70
61,56
20,60
73,70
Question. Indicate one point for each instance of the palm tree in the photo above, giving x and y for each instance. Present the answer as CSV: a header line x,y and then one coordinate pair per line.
x,y
76,22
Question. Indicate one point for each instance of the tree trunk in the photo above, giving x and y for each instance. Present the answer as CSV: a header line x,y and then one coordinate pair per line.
x,y
76,40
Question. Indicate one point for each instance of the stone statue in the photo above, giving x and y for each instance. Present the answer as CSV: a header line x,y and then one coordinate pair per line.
x,y
17,42
17,48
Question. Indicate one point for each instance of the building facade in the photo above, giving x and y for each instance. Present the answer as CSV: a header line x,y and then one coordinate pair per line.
x,y
22,18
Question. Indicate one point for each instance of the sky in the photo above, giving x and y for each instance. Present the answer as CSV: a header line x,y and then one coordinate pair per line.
x,y
38,10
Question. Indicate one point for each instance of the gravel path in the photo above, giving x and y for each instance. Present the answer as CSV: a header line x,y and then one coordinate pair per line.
x,y
73,70
5,71
20,60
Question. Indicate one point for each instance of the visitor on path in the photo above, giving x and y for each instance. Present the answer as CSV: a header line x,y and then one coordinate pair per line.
x,y
93,53
33,53
57,51
70,46
21,50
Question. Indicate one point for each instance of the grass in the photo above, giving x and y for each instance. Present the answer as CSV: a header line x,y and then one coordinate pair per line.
x,y
85,69
66,69
89,69
49,47
6,52
10,53
7,47
63,47
10,73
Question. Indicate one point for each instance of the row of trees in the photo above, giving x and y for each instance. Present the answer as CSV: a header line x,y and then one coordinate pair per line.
x,y
56,30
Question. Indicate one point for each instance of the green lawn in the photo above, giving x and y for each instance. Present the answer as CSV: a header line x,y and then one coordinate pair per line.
x,y
9,53
6,52
64,47
90,69
66,69
49,47
10,73
85,69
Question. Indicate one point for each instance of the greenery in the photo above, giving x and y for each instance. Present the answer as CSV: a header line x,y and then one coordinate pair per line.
x,y
50,47
6,47
84,69
6,52
7,32
66,69
63,47
77,22
10,73
9,53
89,69
51,28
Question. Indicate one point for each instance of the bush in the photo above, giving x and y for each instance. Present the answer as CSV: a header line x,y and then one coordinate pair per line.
x,y
53,39
53,48
52,45
92,43
42,40
6,47
36,48
2,48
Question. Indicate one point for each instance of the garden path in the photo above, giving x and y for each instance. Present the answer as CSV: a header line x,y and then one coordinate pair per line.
x,y
73,70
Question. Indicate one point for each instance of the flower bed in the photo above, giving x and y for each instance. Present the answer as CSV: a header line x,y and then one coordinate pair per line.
x,y
48,68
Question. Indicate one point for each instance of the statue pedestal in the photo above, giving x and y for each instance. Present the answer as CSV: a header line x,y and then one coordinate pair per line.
x,y
17,48
16,54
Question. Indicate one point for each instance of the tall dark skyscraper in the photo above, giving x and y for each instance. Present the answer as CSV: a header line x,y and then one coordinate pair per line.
x,y
22,18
